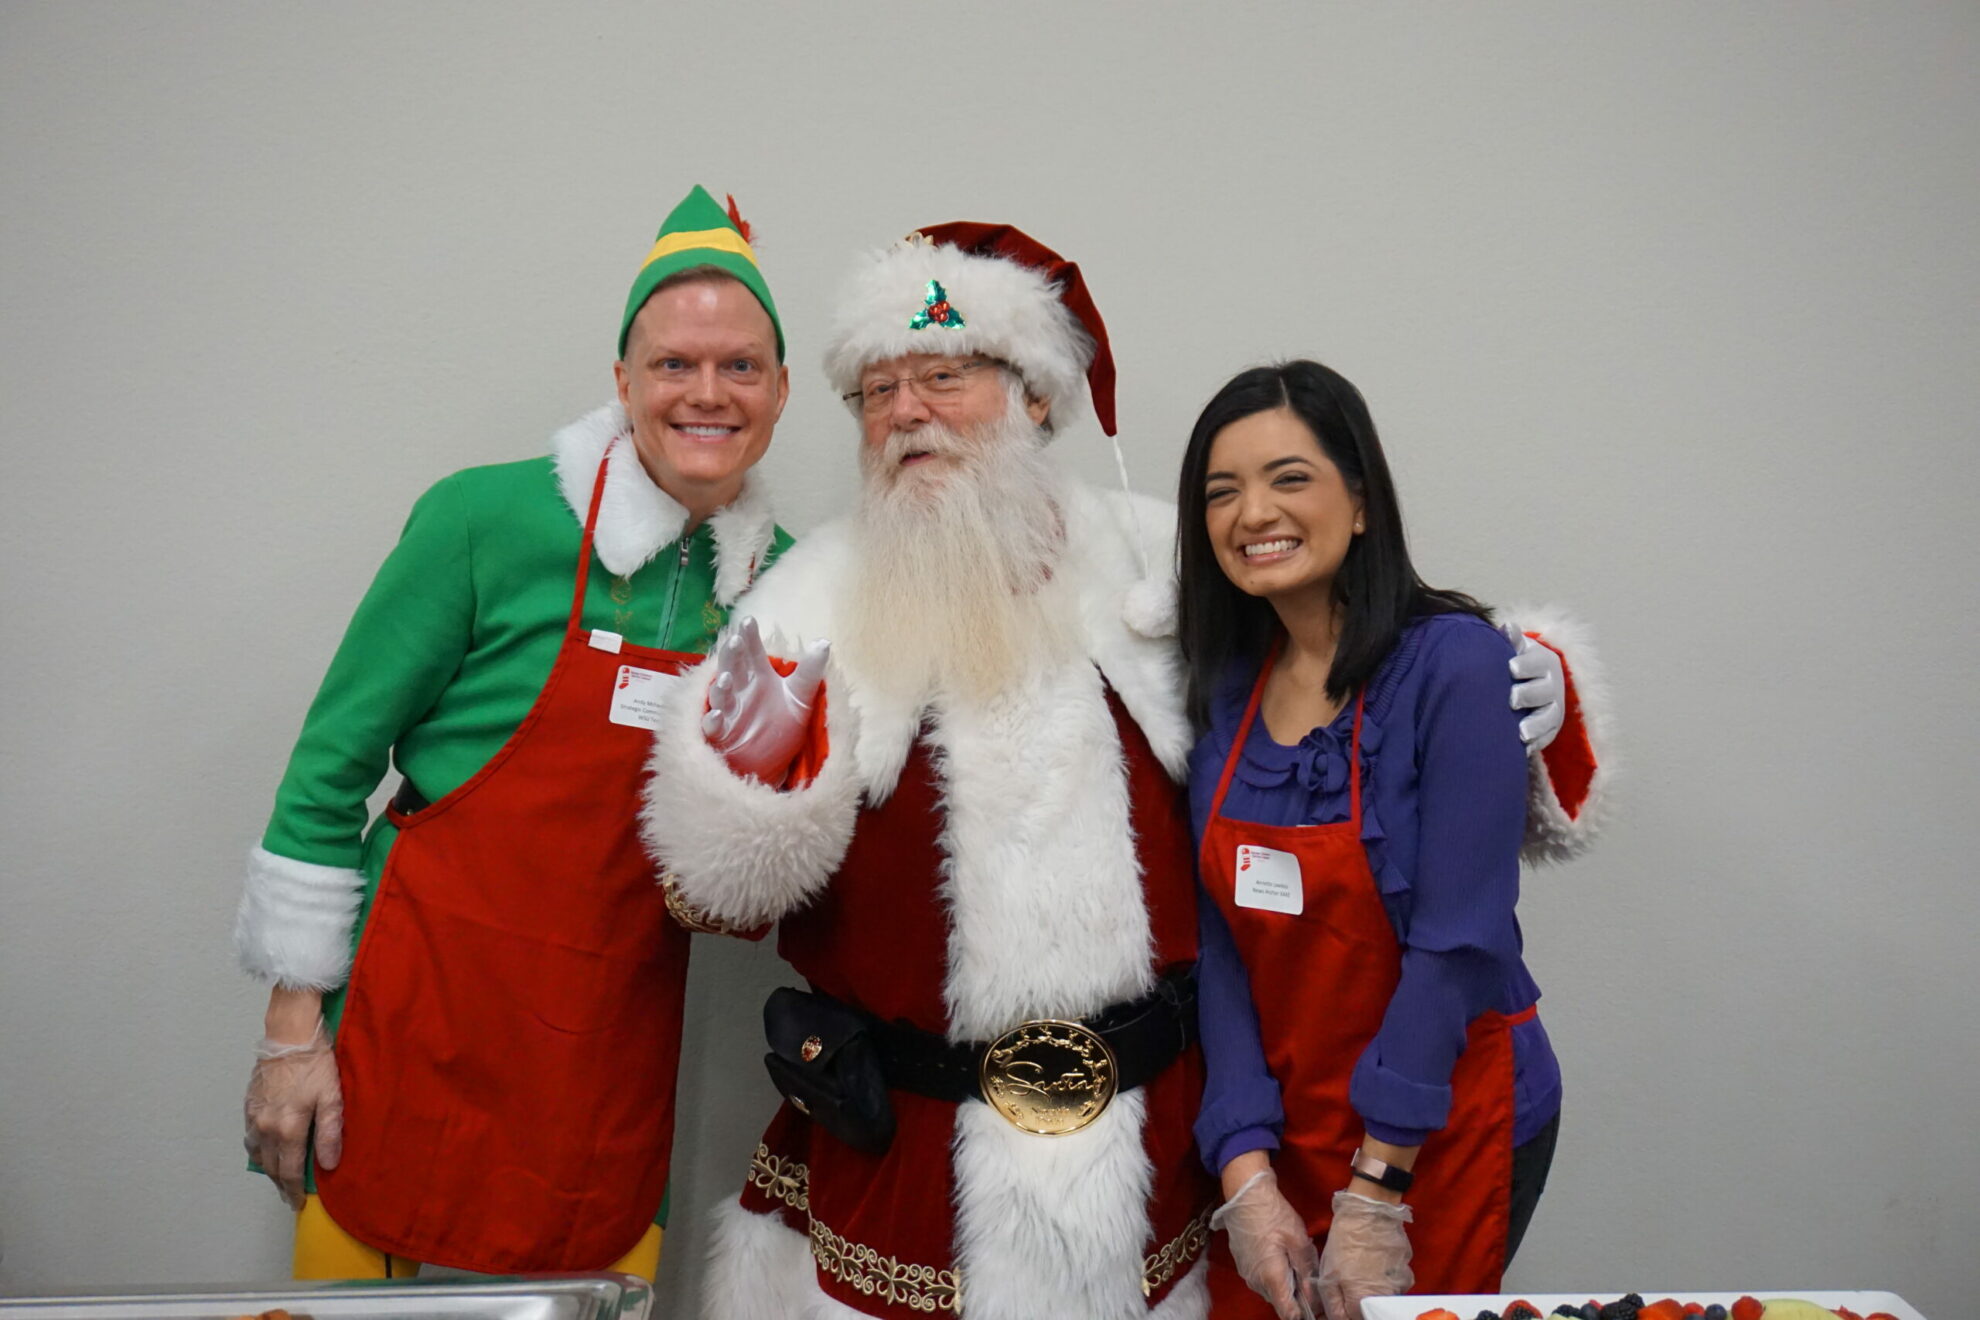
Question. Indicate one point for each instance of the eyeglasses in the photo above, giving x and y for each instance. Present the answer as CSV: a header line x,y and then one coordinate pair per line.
x,y
942,381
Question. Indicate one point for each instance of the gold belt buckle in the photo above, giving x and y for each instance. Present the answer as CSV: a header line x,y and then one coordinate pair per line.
x,y
1049,1077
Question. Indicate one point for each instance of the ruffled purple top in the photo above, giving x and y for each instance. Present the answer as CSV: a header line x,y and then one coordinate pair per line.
x,y
1443,814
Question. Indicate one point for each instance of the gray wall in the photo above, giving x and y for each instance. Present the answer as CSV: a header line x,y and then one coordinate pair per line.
x,y
1666,311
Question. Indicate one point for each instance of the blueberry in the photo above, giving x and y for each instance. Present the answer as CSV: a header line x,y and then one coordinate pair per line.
x,y
1715,1312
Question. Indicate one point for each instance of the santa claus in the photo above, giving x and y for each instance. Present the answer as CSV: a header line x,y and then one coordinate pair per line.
x,y
966,821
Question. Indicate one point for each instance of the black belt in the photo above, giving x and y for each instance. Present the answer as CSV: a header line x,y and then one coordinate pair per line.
x,y
409,800
1145,1034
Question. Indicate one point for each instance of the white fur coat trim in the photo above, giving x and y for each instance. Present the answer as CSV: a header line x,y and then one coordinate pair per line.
x,y
1551,834
761,1269
740,851
636,518
293,927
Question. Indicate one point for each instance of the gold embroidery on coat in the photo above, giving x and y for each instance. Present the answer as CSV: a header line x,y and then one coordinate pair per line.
x,y
1174,1257
688,915
923,1287
917,1287
786,1180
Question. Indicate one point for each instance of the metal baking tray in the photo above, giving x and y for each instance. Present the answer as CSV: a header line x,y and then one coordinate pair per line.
x,y
559,1297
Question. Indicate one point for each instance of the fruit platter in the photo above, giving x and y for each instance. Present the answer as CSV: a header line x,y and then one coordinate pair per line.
x,y
1770,1304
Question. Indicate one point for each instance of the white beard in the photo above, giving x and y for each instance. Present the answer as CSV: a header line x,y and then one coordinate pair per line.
x,y
952,592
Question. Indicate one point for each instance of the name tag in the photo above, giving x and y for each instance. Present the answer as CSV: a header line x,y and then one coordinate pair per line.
x,y
636,696
1268,879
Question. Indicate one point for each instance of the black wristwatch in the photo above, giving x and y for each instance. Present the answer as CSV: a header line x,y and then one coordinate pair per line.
x,y
1381,1173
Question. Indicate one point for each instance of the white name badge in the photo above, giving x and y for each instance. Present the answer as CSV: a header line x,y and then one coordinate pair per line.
x,y
636,696
1269,880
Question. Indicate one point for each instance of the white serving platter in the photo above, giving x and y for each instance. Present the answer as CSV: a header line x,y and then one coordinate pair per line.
x,y
1408,1308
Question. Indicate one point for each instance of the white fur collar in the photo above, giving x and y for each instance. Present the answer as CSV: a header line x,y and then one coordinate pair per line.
x,y
636,518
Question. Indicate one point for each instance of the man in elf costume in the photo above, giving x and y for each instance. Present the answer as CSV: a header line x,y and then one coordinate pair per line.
x,y
970,833
490,1085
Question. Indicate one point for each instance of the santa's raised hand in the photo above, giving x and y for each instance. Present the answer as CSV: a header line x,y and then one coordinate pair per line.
x,y
756,716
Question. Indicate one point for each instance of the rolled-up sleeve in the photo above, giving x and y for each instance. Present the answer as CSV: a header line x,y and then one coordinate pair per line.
x,y
1463,942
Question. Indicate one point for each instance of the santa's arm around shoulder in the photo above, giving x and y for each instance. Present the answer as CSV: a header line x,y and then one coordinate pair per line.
x,y
739,850
1568,798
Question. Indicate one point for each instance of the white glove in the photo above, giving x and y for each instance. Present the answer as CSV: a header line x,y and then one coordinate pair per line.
x,y
292,1089
1367,1254
1270,1245
1539,685
757,717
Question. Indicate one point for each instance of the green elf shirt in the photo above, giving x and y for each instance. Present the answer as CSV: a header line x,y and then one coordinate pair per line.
x,y
447,652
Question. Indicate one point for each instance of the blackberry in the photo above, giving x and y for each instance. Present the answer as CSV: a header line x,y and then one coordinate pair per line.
x,y
1624,1307
1521,1311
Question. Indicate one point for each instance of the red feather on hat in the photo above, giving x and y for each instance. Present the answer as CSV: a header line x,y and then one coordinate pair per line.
x,y
742,225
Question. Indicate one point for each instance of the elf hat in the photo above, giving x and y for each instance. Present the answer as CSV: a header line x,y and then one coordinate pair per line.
x,y
967,288
699,233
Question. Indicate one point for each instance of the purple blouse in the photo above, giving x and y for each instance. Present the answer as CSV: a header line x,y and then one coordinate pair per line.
x,y
1444,809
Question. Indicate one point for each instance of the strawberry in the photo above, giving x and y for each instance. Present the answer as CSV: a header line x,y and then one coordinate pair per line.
x,y
1747,1308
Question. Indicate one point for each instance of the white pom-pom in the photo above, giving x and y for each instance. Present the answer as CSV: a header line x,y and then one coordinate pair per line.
x,y
1149,607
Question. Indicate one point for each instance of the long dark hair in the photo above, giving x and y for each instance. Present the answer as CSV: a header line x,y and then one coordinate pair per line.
x,y
1377,585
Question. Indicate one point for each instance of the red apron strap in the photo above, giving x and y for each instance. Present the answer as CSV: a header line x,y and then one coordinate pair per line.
x,y
1354,765
1243,732
590,525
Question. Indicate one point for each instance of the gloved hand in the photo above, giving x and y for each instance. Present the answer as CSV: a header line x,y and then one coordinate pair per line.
x,y
1367,1254
757,717
1539,685
292,1088
1270,1245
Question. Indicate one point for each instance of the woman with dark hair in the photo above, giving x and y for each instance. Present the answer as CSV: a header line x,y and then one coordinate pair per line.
x,y
1359,795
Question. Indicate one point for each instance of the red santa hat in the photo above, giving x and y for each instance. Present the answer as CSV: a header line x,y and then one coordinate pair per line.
x,y
966,288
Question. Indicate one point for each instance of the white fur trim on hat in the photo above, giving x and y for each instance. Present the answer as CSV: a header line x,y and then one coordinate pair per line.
x,y
1009,311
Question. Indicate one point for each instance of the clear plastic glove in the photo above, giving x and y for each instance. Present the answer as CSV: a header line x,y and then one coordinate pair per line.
x,y
1367,1254
294,1088
1270,1245
1539,685
757,717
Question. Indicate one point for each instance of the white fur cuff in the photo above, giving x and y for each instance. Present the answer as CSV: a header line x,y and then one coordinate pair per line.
x,y
741,852
1554,833
294,923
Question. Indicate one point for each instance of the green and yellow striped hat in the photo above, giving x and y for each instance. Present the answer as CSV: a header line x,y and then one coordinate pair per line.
x,y
699,233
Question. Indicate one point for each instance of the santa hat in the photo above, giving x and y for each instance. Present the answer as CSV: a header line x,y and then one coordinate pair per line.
x,y
966,289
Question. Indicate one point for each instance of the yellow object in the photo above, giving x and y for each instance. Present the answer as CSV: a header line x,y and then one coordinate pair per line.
x,y
721,240
325,1251
1793,1308
643,1259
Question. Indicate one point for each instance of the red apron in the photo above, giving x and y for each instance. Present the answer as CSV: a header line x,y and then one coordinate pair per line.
x,y
512,1032
1321,982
